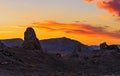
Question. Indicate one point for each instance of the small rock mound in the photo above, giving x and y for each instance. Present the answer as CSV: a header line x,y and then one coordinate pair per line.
x,y
30,40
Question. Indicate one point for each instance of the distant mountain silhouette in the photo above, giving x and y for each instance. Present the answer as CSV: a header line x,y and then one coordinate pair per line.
x,y
55,45
95,47
63,45
16,42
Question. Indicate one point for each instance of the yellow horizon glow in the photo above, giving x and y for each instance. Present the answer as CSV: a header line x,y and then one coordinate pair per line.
x,y
57,30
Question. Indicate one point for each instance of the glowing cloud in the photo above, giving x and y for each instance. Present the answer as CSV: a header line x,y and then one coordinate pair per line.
x,y
79,29
88,1
111,6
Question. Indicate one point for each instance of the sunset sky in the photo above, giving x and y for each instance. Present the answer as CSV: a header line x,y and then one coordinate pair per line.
x,y
88,21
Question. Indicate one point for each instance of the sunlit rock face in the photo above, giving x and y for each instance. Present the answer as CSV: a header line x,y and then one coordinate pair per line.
x,y
30,40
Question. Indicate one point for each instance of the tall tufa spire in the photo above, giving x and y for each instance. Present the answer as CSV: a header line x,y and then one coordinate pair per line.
x,y
30,40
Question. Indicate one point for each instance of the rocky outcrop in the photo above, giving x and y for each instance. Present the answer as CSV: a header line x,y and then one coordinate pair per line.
x,y
30,40
104,46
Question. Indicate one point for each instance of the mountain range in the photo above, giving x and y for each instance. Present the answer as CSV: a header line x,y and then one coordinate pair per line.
x,y
55,45
61,45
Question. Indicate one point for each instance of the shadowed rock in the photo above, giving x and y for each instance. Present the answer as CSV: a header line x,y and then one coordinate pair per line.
x,y
2,45
76,52
104,46
30,40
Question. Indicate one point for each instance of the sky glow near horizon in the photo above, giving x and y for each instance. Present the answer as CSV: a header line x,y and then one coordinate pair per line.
x,y
88,21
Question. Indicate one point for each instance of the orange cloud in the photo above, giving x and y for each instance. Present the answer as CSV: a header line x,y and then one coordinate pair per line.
x,y
111,6
79,29
88,1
